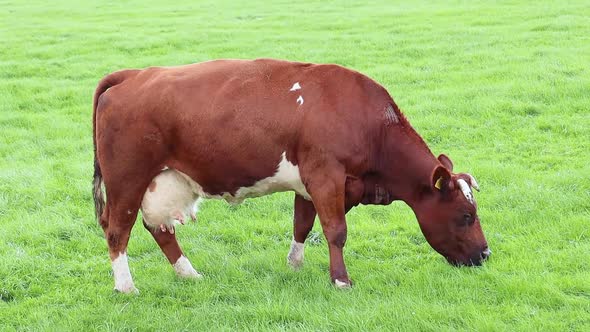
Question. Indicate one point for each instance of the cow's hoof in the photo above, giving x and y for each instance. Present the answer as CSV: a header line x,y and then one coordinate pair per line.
x,y
295,256
295,263
189,274
342,284
127,289
184,269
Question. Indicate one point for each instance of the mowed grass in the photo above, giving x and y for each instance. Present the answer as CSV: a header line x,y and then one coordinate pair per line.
x,y
503,88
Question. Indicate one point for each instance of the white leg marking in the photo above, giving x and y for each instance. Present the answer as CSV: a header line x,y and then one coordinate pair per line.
x,y
295,256
123,280
341,284
295,87
184,269
300,100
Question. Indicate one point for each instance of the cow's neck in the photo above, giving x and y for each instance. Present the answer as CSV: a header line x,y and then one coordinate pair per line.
x,y
407,165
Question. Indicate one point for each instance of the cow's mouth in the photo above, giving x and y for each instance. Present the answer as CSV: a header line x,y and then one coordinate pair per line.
x,y
475,260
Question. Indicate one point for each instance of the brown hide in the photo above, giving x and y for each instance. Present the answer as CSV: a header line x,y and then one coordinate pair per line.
x,y
226,124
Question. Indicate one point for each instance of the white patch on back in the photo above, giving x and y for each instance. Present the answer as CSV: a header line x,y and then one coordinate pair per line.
x,y
296,87
122,275
295,256
184,269
300,100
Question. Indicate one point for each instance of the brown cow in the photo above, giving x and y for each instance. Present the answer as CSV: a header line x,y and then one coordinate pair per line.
x,y
234,129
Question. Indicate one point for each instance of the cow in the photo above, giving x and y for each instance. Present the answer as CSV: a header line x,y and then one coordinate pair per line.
x,y
165,137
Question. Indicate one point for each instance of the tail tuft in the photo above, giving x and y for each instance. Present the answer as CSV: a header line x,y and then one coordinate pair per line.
x,y
97,192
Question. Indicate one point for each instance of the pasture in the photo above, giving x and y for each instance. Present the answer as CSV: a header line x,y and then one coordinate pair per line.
x,y
502,88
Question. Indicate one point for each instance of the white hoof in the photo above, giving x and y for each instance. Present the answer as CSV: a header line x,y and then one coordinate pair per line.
x,y
294,262
190,274
184,269
295,256
127,289
341,284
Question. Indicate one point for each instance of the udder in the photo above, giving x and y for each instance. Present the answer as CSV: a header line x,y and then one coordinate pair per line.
x,y
169,201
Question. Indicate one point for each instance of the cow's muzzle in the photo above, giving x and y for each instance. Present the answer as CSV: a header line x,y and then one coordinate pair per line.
x,y
475,260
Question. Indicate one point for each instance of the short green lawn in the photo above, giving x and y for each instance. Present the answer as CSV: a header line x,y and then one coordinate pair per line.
x,y
503,88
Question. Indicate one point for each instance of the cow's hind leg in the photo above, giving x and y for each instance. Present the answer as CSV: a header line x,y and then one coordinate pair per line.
x,y
117,231
130,152
303,218
124,195
167,242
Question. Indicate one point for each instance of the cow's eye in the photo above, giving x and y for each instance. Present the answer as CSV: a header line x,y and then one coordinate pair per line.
x,y
467,218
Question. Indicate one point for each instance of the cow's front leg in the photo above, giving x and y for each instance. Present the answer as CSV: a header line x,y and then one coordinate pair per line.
x,y
303,218
327,191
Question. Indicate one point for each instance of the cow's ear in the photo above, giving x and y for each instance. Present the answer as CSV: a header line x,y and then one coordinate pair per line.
x,y
441,179
446,162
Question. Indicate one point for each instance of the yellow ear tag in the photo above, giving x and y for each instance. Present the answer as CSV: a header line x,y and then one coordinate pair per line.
x,y
438,183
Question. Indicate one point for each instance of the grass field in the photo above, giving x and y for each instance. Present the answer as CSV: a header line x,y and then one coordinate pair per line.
x,y
502,87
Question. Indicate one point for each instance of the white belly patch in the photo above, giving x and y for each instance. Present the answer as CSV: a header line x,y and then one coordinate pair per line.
x,y
286,178
173,196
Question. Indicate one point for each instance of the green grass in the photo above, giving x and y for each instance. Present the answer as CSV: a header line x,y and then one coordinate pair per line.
x,y
503,88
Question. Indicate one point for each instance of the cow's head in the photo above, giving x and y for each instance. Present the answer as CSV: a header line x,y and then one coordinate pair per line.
x,y
447,214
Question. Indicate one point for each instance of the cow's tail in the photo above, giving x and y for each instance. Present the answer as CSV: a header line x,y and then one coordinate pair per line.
x,y
106,83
